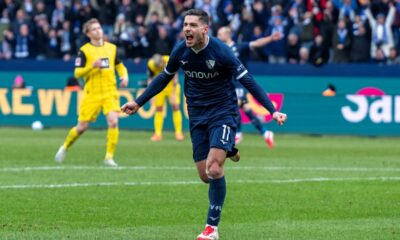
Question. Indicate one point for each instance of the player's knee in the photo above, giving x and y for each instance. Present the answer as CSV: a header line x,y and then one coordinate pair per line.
x,y
82,127
113,123
214,170
159,109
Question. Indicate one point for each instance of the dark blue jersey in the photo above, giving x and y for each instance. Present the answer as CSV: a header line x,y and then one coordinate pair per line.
x,y
241,51
208,72
209,75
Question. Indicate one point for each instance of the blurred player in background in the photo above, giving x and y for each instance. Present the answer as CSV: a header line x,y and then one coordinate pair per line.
x,y
172,92
242,51
210,68
96,63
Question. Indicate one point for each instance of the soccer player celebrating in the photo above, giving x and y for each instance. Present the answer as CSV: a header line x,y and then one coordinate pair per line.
x,y
96,63
173,92
209,67
242,51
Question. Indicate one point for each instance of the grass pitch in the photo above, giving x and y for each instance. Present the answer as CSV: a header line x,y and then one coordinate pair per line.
x,y
304,188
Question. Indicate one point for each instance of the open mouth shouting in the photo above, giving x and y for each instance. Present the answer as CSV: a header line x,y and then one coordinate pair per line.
x,y
189,39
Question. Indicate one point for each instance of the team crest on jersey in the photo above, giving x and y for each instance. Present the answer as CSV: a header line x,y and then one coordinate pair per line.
x,y
105,63
241,67
210,63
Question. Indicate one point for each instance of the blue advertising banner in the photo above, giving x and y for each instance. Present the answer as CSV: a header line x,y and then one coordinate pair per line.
x,y
362,105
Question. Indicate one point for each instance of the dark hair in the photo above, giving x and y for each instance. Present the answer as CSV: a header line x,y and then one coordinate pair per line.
x,y
203,16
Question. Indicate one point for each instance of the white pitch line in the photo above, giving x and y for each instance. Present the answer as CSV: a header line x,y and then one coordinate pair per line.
x,y
174,183
171,168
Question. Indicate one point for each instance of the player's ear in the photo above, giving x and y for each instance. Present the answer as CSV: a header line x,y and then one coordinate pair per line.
x,y
206,29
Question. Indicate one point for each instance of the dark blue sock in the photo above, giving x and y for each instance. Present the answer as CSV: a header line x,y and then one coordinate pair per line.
x,y
216,195
255,121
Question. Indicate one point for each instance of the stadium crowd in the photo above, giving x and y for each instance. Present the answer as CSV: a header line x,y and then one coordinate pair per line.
x,y
313,31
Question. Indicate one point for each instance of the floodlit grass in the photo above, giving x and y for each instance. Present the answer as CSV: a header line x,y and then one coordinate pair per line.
x,y
305,188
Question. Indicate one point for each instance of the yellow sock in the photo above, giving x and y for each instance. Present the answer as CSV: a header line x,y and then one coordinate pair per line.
x,y
158,123
112,140
177,118
71,138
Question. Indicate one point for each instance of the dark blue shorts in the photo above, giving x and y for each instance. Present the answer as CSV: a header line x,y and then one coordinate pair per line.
x,y
214,132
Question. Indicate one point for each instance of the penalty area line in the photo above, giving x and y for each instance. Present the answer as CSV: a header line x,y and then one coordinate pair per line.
x,y
183,168
174,183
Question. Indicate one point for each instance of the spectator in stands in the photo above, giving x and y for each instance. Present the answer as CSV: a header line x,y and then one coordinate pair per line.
x,y
88,13
319,52
341,43
107,10
295,9
77,18
379,56
141,7
247,25
152,27
326,25
292,49
163,45
19,20
66,41
126,8
40,11
248,19
27,6
58,15
42,28
382,35
260,14
53,45
394,58
11,7
360,52
120,26
259,53
4,25
277,49
346,8
209,7
22,43
304,54
155,13
307,29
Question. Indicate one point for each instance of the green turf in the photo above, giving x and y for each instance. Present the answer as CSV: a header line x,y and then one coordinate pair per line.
x,y
305,188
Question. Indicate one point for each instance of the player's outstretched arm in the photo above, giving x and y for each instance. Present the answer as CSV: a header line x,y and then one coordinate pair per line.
x,y
258,93
261,42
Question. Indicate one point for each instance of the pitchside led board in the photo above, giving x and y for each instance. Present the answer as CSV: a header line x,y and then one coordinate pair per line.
x,y
367,100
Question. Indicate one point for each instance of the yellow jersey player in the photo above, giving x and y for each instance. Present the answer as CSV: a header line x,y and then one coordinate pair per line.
x,y
172,92
96,63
